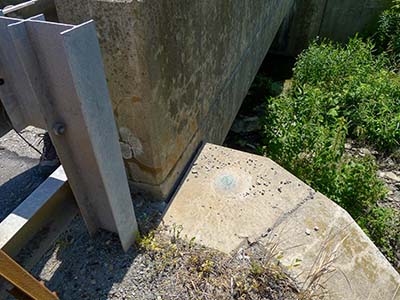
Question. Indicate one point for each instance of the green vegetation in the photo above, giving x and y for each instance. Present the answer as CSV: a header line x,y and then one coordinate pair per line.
x,y
340,92
388,34
358,86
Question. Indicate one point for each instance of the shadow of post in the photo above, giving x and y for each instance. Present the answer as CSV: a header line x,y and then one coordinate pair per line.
x,y
82,267
16,189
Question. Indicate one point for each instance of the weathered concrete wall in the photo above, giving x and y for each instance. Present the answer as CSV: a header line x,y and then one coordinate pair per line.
x,y
334,19
344,18
178,71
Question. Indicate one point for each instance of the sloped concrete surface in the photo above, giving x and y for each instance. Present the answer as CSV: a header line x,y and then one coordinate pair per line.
x,y
230,198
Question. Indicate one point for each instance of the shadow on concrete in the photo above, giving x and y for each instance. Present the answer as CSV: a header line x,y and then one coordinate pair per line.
x,y
17,188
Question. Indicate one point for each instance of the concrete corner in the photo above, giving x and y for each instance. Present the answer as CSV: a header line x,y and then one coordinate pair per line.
x,y
177,73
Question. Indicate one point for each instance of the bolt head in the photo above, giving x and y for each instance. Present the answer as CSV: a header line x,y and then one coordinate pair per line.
x,y
59,128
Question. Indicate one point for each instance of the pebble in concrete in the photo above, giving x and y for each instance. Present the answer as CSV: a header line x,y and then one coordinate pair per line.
x,y
230,197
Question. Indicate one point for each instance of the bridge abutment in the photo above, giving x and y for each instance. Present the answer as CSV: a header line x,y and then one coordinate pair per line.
x,y
178,72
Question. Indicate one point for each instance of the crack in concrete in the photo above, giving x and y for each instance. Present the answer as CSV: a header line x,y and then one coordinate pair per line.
x,y
286,215
249,241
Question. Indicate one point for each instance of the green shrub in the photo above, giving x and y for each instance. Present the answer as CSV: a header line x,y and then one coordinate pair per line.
x,y
382,225
367,93
388,33
304,133
330,64
357,187
340,92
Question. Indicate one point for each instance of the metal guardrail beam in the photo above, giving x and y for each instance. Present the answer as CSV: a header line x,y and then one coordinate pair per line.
x,y
39,219
13,8
16,92
53,78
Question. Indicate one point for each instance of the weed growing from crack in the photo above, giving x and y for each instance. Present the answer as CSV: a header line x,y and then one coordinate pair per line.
x,y
190,271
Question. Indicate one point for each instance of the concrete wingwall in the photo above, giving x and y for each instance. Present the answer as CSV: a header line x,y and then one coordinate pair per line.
x,y
334,19
178,71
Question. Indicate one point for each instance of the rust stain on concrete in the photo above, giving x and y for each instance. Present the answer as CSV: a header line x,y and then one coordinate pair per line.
x,y
136,99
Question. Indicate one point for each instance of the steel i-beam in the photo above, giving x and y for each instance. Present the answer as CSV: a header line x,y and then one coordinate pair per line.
x,y
52,77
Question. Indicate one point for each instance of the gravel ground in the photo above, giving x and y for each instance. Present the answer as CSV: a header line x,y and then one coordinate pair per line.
x,y
78,267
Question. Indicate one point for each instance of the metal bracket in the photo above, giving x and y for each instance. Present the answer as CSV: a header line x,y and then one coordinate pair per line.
x,y
53,77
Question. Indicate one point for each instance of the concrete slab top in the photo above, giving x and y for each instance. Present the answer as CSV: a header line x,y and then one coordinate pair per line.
x,y
230,198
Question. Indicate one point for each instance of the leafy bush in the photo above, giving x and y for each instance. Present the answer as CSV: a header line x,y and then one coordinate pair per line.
x,y
388,33
301,135
305,135
382,225
330,64
367,94
340,92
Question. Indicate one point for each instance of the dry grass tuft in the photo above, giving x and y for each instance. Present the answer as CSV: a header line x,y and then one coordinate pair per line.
x,y
186,270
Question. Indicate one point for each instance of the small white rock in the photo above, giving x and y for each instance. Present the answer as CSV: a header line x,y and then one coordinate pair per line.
x,y
308,231
381,174
392,176
364,151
